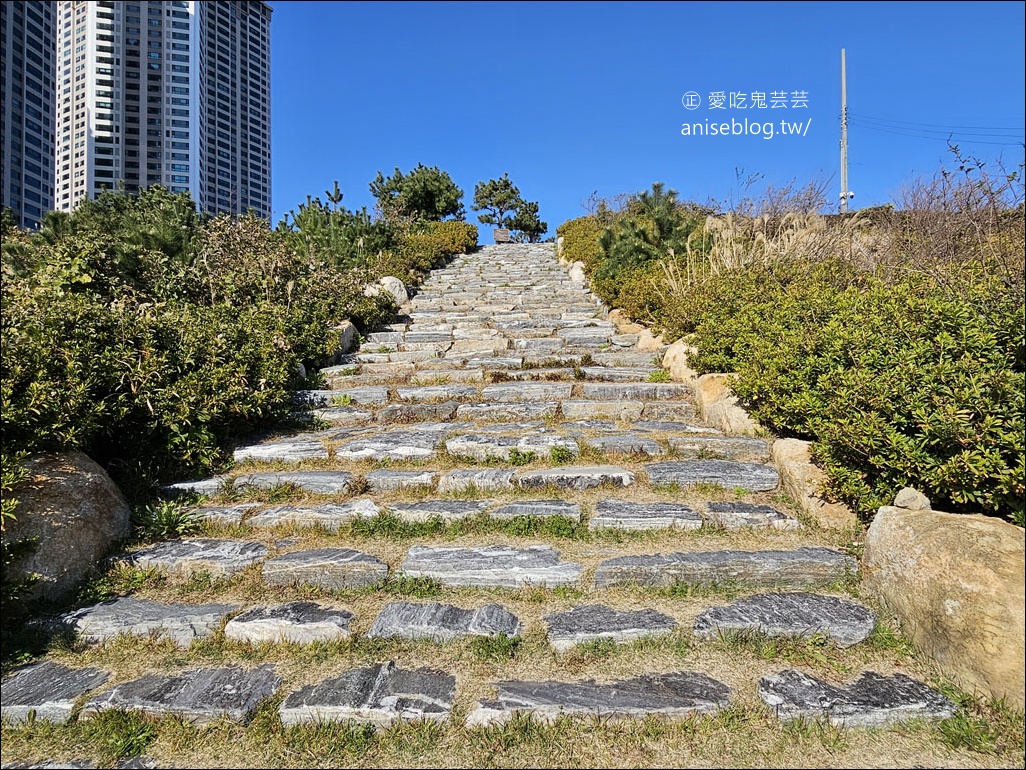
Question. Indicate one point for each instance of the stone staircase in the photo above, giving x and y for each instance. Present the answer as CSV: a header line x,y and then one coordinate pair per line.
x,y
499,464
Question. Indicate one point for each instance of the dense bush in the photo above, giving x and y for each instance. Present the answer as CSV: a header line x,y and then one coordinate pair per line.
x,y
425,246
895,342
580,240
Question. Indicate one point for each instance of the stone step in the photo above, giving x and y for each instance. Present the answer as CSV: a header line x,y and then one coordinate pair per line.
x,y
179,623
498,566
294,622
668,695
47,692
799,568
442,622
381,695
597,622
798,614
331,568
728,474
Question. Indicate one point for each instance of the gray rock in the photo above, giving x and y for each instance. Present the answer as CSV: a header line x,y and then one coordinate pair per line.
x,y
48,690
576,477
219,557
734,515
513,411
384,480
495,362
331,568
393,445
626,444
200,695
727,447
344,415
442,622
912,500
727,474
485,446
413,337
668,410
285,451
314,482
670,695
622,514
329,516
493,565
873,700
297,622
379,695
669,426
447,510
481,479
210,486
797,569
181,623
538,508
597,621
791,614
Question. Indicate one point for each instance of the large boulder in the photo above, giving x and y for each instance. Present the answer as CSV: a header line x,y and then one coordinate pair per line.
x,y
802,482
955,584
75,514
390,285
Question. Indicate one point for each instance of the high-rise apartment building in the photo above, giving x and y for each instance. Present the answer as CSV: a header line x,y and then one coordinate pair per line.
x,y
169,92
27,113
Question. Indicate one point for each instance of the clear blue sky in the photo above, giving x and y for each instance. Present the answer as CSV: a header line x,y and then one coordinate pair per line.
x,y
583,97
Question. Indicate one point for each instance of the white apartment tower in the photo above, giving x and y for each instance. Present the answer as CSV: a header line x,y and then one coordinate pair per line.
x,y
27,115
169,92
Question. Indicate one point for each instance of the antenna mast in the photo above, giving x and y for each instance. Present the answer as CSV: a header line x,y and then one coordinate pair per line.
x,y
845,192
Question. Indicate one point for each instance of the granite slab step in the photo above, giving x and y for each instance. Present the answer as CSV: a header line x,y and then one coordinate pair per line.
x,y
487,446
393,444
331,568
446,510
364,396
798,614
626,443
294,622
435,393
595,622
527,391
384,480
380,695
508,411
284,451
224,515
402,413
218,557
498,566
344,415
314,482
624,514
329,516
618,373
200,695
668,410
800,568
481,479
671,695
627,411
179,623
635,391
723,447
873,700
725,473
576,477
735,515
538,509
670,426
46,691
442,622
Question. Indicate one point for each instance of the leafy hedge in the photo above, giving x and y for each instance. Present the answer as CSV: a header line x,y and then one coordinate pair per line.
x,y
899,376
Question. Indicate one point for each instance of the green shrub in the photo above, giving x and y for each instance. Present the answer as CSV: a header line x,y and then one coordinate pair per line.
x,y
430,243
580,240
897,384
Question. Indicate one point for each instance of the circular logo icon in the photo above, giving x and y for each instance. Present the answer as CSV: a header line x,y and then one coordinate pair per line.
x,y
691,100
